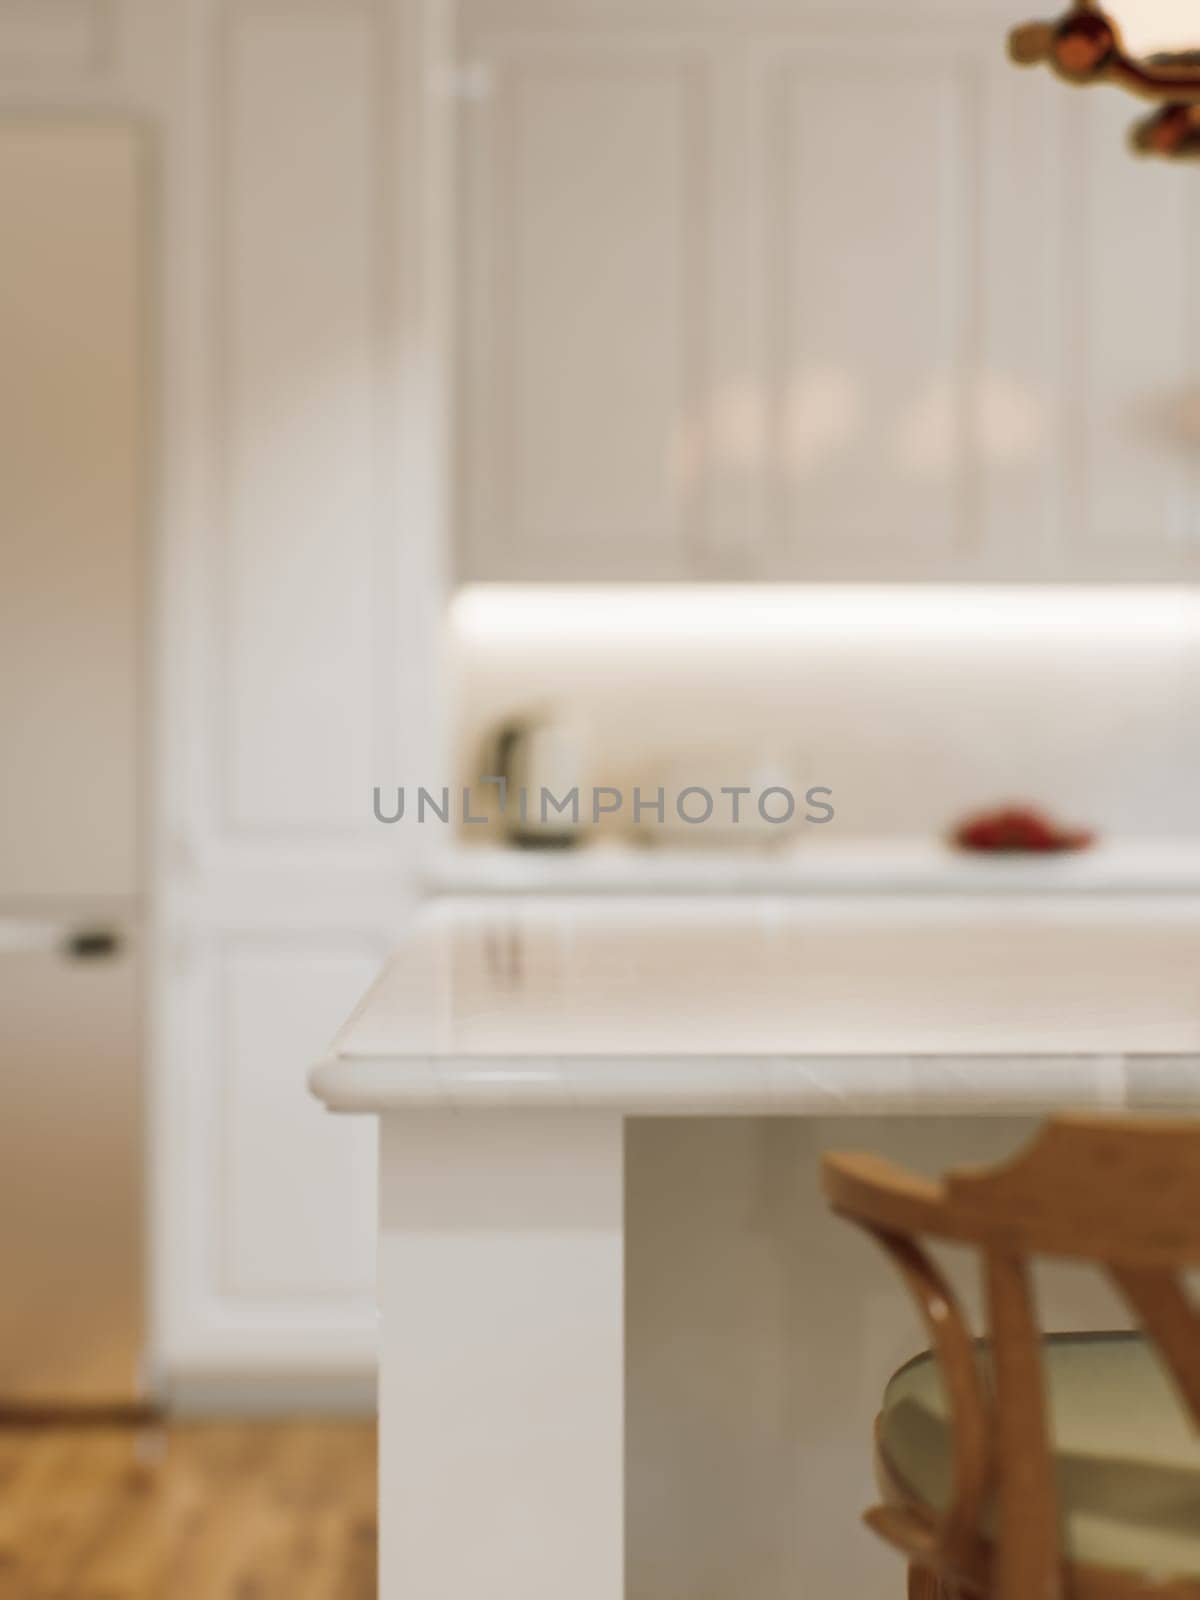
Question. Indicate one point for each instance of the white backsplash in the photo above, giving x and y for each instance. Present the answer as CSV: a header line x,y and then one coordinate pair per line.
x,y
914,705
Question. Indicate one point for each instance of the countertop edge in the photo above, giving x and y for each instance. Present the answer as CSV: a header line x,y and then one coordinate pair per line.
x,y
791,1085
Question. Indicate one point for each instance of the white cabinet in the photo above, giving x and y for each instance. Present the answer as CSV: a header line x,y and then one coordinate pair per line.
x,y
584,336
302,544
266,1205
301,345
294,326
1136,360
751,297
865,309
296,224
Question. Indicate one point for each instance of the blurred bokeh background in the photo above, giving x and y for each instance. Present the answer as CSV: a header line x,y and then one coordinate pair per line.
x,y
394,393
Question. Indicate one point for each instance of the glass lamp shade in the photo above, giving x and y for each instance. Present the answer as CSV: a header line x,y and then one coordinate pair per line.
x,y
1149,47
1158,27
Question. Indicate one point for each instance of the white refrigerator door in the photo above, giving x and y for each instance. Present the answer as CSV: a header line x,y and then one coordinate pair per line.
x,y
72,360
71,1165
72,301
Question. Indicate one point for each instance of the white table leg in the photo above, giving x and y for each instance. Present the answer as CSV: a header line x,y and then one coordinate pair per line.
x,y
501,1266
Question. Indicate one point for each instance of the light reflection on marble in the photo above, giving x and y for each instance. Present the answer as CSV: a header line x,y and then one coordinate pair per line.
x,y
775,1004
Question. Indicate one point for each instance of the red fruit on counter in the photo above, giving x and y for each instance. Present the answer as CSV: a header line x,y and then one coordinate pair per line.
x,y
1018,829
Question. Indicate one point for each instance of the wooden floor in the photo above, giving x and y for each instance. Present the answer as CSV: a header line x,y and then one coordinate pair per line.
x,y
193,1511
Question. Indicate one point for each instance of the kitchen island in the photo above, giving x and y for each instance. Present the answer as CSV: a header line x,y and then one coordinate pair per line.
x,y
516,1051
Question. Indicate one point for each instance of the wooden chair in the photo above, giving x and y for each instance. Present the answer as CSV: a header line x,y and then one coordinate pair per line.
x,y
981,1493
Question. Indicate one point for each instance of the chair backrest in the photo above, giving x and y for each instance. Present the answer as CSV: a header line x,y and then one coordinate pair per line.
x,y
1123,1193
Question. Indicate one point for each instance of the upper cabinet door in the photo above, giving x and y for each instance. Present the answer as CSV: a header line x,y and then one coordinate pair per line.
x,y
910,307
866,309
584,295
814,301
1135,361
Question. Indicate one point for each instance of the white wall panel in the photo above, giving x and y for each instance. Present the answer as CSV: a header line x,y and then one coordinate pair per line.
x,y
297,333
584,367
297,1191
870,307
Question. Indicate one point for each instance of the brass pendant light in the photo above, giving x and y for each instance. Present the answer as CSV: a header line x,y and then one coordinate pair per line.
x,y
1142,53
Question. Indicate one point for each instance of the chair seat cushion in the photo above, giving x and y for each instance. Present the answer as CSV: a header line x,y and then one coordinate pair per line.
x,y
1127,1455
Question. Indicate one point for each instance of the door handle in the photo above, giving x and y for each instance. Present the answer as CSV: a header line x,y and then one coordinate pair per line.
x,y
93,944
88,941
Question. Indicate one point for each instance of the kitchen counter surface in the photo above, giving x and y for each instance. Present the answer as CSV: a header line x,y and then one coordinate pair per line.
x,y
777,1005
819,866
506,1047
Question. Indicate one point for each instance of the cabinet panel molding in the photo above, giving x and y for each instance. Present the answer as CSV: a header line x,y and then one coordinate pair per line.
x,y
584,361
871,305
293,1189
298,325
1025,400
1138,231
264,1216
937,323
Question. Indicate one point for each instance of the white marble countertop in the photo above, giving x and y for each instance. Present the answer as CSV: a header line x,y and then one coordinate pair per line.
x,y
760,1005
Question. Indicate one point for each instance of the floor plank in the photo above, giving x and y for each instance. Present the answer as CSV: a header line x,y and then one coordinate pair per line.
x,y
190,1511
